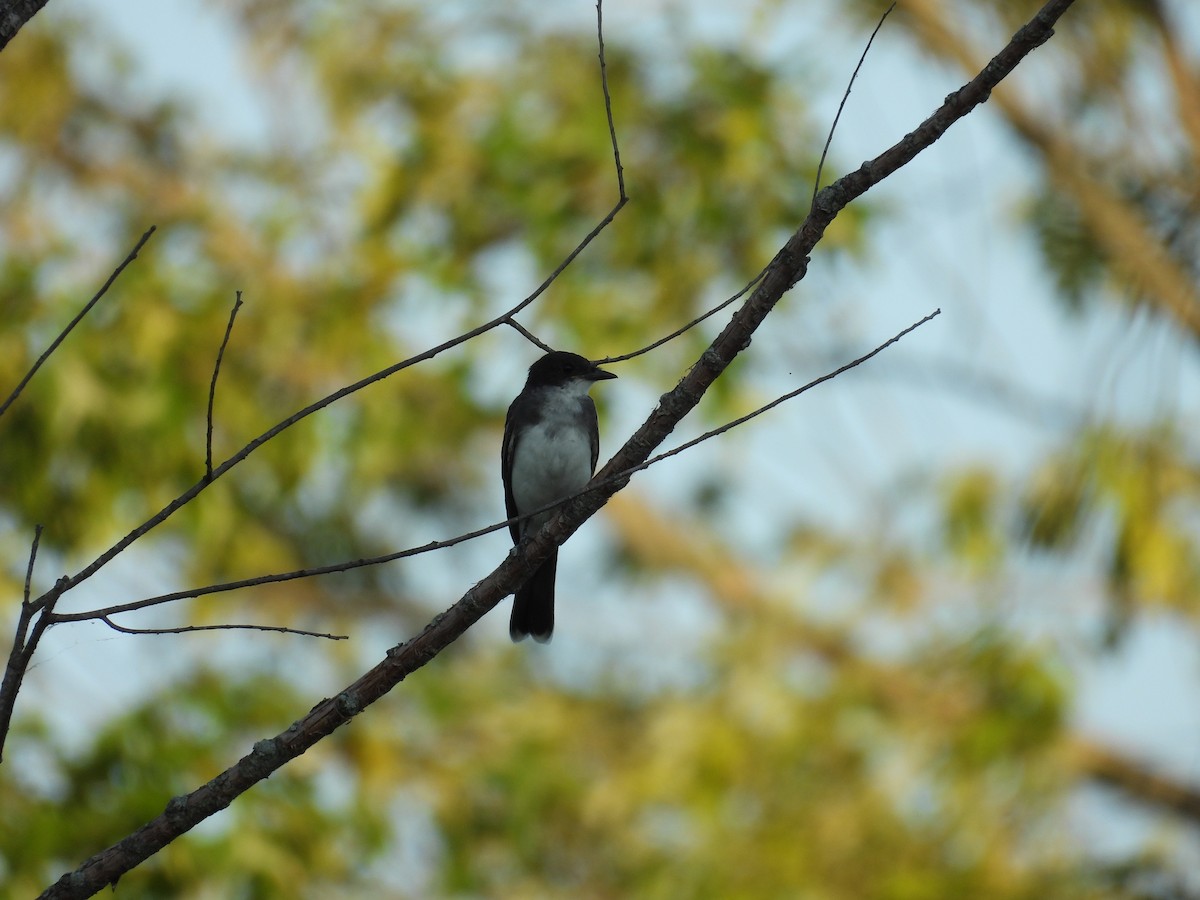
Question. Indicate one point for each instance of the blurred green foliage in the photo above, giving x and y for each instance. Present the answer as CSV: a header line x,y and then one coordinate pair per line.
x,y
422,159
289,835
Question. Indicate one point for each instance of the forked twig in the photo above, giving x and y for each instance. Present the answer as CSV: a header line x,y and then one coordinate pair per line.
x,y
527,334
846,96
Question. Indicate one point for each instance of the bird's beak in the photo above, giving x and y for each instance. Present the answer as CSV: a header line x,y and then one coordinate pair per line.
x,y
599,374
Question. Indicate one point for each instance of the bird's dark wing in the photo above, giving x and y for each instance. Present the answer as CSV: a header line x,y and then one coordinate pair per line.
x,y
593,429
508,450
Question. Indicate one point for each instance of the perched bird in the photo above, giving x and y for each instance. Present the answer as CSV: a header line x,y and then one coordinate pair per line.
x,y
551,443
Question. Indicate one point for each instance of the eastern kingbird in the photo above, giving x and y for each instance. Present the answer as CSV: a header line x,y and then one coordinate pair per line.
x,y
551,443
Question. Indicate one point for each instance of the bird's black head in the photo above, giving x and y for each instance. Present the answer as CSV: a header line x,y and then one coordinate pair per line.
x,y
560,367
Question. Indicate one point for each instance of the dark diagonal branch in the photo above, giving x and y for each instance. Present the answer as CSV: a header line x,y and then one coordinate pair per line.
x,y
62,335
788,267
13,16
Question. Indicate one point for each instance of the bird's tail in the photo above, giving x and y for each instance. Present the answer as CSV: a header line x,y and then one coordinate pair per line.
x,y
533,606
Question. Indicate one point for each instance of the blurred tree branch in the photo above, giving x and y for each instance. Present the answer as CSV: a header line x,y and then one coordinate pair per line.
x,y
740,592
1136,779
1137,253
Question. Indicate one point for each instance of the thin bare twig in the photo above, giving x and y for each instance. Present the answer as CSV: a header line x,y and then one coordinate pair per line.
x,y
37,537
846,96
690,325
28,634
527,334
976,386
612,128
766,407
62,335
212,387
616,150
184,629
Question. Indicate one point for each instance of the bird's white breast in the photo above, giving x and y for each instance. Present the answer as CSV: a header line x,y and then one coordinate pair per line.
x,y
553,458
